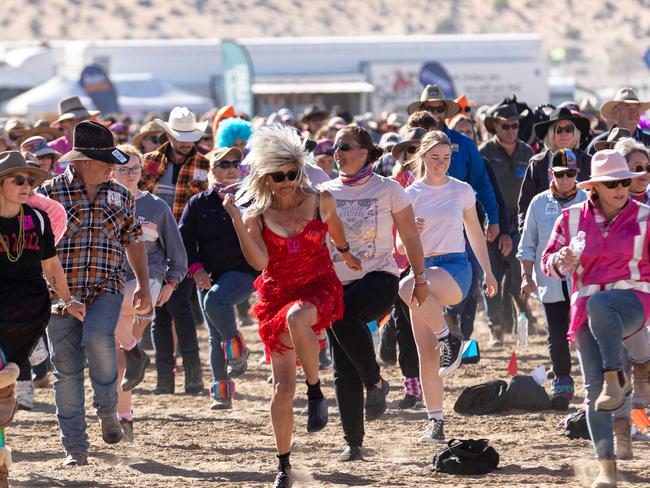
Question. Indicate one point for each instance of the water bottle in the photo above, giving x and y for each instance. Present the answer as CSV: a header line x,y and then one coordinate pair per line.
x,y
577,244
522,329
374,331
39,354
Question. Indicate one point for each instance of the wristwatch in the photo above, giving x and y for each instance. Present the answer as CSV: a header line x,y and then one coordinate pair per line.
x,y
421,277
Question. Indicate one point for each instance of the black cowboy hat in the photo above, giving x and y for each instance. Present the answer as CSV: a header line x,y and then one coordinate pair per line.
x,y
562,113
503,112
313,111
412,137
94,141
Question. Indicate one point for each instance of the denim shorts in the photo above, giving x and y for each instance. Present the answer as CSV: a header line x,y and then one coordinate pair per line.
x,y
457,265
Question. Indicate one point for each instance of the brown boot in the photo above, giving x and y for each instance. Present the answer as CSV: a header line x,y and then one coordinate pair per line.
x,y
623,438
615,387
607,476
641,397
8,377
4,476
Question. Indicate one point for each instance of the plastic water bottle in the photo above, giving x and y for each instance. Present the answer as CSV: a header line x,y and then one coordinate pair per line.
x,y
522,329
39,354
577,244
374,331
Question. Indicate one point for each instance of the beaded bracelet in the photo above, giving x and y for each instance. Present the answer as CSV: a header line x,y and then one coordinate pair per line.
x,y
422,284
343,249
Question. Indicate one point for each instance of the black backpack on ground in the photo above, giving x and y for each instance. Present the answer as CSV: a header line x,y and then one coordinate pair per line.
x,y
469,456
482,399
575,425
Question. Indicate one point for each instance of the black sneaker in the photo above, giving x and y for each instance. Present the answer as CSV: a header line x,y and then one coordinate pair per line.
x,y
376,400
451,348
434,432
350,453
283,479
409,401
136,364
387,344
316,414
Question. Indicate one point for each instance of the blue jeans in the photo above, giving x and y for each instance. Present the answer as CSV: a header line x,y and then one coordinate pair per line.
x,y
613,314
71,342
466,309
218,305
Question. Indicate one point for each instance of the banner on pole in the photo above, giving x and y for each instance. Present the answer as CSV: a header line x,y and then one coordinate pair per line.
x,y
237,77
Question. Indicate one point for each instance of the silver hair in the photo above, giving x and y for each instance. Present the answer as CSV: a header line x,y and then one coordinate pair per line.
x,y
269,149
628,146
549,142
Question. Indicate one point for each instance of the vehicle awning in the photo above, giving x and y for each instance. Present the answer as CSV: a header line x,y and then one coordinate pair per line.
x,y
315,84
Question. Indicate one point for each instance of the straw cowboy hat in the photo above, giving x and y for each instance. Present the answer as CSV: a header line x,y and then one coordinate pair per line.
x,y
615,135
149,129
182,125
13,162
608,165
72,109
503,112
41,128
221,153
91,140
582,123
624,95
433,93
412,137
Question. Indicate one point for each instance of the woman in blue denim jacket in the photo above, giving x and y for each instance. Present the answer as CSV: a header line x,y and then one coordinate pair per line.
x,y
554,294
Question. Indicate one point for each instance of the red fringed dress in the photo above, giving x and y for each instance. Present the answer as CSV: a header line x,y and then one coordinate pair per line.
x,y
299,270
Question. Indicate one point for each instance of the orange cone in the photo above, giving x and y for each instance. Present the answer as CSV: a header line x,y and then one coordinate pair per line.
x,y
640,419
512,366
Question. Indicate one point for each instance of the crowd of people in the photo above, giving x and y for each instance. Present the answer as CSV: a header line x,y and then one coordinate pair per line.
x,y
114,234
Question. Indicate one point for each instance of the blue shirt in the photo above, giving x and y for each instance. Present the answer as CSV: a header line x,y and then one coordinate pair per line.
x,y
467,165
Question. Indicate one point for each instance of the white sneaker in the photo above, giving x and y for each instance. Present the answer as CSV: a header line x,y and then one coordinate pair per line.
x,y
25,395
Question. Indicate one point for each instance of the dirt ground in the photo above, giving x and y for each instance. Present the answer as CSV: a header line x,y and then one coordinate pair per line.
x,y
180,442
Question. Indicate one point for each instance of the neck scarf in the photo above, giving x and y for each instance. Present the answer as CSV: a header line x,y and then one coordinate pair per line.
x,y
354,179
563,198
640,197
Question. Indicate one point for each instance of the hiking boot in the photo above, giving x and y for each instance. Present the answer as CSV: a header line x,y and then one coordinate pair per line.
x,y
623,438
641,396
25,395
350,453
165,385
409,401
111,429
193,376
616,386
76,459
136,363
376,400
451,348
238,366
434,432
316,414
496,336
127,430
387,344
283,479
222,392
607,476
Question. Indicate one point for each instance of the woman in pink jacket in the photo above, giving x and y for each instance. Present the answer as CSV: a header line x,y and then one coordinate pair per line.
x,y
610,301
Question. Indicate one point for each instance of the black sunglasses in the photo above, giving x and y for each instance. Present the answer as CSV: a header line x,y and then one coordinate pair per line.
x,y
614,184
225,164
411,149
640,168
436,110
345,147
567,129
279,176
513,126
20,180
571,173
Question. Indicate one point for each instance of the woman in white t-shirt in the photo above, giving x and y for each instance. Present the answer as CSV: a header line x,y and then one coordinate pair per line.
x,y
443,207
369,206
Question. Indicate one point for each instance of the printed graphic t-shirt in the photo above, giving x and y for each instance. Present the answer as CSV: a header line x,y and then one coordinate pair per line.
x,y
367,215
37,246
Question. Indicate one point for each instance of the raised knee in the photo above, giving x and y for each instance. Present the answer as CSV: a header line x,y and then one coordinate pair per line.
x,y
406,287
297,318
284,391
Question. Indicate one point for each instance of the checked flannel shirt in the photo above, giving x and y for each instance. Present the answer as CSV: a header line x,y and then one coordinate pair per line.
x,y
192,178
92,250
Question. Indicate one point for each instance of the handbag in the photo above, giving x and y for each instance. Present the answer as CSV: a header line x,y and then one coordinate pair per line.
x,y
466,457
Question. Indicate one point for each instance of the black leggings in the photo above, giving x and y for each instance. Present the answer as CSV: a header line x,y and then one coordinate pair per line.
x,y
408,351
557,324
353,352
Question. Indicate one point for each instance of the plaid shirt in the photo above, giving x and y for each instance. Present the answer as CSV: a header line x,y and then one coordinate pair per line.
x,y
192,178
92,249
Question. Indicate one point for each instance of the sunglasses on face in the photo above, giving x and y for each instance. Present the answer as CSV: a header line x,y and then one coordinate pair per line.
x,y
345,147
279,176
441,109
640,168
411,149
614,184
566,129
128,171
20,180
513,126
224,164
571,173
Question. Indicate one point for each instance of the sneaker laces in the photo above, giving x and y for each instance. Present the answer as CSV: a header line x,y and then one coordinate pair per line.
x,y
435,428
445,352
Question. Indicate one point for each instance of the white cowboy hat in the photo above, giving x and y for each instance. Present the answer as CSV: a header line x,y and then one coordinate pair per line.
x,y
608,165
182,125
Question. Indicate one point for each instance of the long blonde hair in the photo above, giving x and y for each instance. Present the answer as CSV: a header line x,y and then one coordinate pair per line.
x,y
429,141
549,138
270,148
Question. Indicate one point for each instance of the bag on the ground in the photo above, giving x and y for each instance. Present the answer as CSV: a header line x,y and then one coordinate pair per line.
x,y
466,457
525,393
575,425
482,399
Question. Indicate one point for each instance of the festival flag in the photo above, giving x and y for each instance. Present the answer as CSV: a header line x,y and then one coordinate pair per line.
x,y
512,365
237,76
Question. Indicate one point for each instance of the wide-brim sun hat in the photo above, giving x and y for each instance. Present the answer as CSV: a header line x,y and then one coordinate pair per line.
x,y
14,162
615,135
608,165
221,153
39,131
624,95
37,145
182,125
433,93
72,109
93,141
498,113
148,129
558,114
412,137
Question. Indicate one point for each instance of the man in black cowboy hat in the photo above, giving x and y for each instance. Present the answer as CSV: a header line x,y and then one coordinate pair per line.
x,y
509,157
102,228
624,110
314,118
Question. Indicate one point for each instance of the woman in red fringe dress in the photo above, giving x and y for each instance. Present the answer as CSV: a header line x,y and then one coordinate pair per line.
x,y
283,232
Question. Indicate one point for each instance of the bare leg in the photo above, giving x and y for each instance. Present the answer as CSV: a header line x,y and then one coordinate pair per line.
x,y
284,389
300,319
427,344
